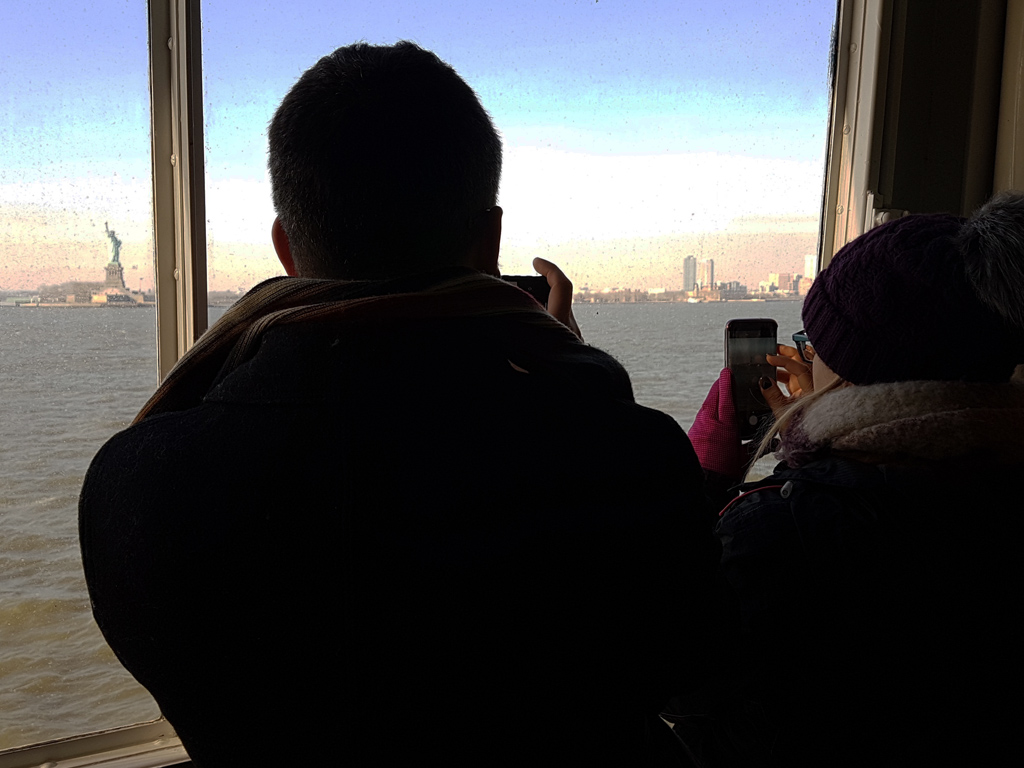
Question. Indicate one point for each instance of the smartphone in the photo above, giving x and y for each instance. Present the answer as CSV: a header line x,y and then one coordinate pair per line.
x,y
535,285
747,341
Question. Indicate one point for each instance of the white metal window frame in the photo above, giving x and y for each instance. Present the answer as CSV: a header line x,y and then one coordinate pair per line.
x,y
175,49
848,209
179,198
1009,171
146,745
851,206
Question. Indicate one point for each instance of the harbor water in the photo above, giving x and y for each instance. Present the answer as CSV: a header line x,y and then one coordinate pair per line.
x,y
70,378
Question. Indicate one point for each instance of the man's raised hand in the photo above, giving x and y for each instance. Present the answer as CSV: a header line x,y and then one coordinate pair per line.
x,y
560,299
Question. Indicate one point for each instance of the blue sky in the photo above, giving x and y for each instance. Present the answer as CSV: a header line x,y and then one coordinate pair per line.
x,y
732,96
618,76
75,88
626,76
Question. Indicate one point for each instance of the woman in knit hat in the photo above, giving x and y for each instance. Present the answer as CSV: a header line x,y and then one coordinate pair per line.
x,y
877,572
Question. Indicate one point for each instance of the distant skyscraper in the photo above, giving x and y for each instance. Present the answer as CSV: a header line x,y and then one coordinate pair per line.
x,y
689,273
811,265
783,281
706,274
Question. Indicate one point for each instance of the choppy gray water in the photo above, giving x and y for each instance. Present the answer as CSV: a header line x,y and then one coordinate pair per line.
x,y
70,378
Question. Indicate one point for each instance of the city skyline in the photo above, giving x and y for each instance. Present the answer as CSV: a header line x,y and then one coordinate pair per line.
x,y
740,258
777,283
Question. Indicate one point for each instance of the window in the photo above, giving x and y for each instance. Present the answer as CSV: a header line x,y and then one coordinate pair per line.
x,y
636,134
77,341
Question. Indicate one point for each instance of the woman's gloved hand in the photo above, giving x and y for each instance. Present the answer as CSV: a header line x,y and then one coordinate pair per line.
x,y
715,434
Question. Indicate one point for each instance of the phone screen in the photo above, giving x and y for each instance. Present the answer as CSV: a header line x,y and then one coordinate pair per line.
x,y
746,344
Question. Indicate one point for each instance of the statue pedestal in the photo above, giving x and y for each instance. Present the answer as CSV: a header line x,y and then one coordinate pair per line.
x,y
115,276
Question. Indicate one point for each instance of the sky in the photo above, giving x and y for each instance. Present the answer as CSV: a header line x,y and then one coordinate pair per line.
x,y
668,125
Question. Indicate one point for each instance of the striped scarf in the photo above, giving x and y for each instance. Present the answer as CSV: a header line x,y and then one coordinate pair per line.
x,y
534,340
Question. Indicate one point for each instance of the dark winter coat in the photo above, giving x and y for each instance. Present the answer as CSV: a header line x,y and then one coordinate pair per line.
x,y
878,598
382,544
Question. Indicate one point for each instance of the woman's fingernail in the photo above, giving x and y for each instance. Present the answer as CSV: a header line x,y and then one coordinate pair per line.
x,y
765,382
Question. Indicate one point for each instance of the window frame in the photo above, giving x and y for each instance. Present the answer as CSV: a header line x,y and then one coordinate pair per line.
x,y
858,119
870,168
851,153
1009,170
143,745
179,179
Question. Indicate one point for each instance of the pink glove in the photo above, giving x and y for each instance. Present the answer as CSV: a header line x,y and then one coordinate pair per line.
x,y
715,434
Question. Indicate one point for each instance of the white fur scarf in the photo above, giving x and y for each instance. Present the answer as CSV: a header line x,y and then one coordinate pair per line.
x,y
918,420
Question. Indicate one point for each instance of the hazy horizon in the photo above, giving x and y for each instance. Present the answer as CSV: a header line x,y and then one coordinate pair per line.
x,y
653,262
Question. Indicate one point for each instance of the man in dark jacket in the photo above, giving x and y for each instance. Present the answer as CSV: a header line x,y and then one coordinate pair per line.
x,y
389,509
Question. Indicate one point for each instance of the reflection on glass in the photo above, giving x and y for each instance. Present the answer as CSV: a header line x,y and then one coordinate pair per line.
x,y
663,153
77,341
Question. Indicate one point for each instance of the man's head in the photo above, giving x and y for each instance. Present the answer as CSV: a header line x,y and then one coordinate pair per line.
x,y
383,162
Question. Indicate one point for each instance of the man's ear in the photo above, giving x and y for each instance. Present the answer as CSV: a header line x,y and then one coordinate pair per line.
x,y
483,250
283,247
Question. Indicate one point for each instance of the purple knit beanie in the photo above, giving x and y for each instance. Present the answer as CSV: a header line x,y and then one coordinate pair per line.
x,y
898,304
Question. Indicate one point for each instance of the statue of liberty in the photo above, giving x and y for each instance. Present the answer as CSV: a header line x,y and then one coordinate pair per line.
x,y
115,244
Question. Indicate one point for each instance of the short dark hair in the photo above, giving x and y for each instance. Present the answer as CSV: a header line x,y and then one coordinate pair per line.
x,y
381,158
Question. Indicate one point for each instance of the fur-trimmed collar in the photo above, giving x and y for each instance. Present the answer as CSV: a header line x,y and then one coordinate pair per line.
x,y
912,421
